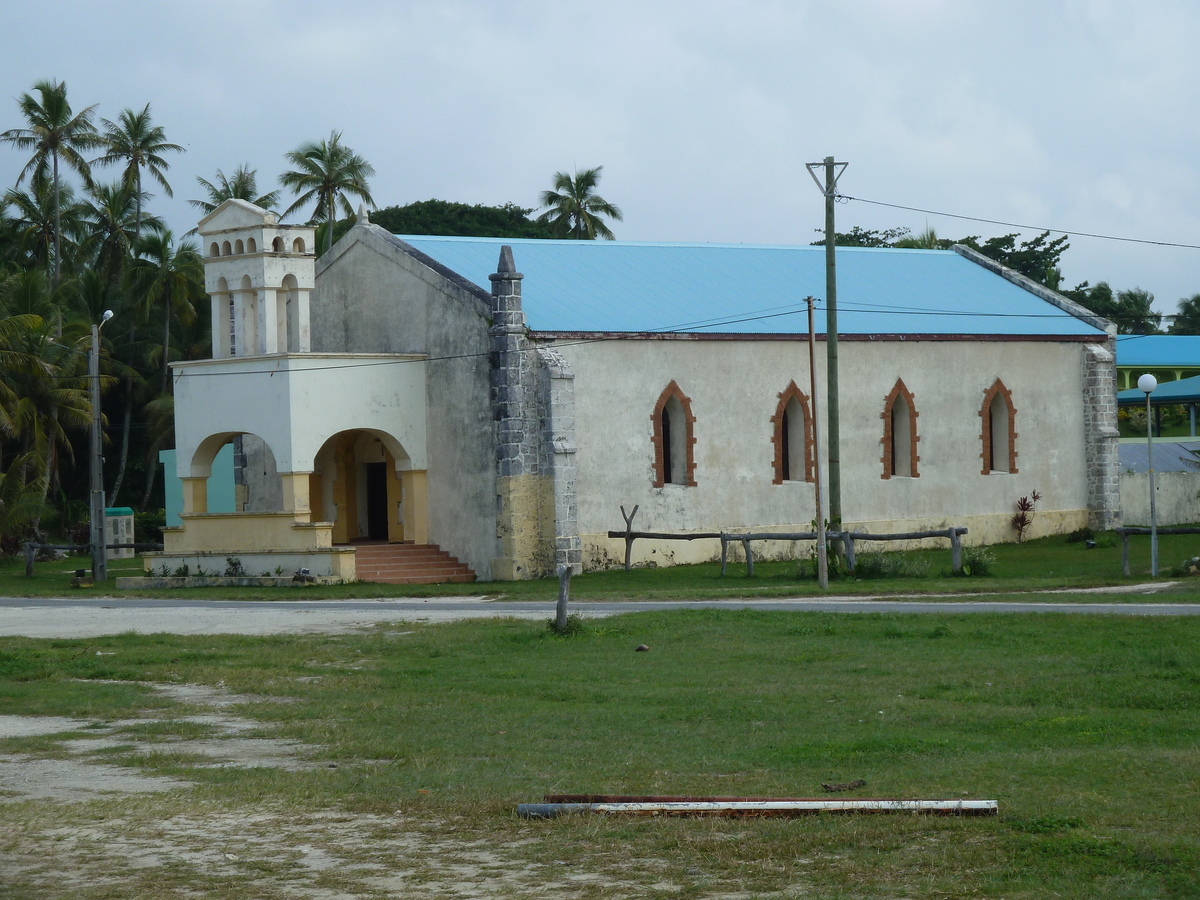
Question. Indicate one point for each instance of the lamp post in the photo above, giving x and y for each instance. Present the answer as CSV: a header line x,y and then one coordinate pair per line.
x,y
96,530
1147,383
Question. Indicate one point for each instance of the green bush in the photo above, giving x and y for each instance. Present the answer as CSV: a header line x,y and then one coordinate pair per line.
x,y
976,562
148,526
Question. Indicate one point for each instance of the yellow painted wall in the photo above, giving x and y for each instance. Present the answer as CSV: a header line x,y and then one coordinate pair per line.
x,y
245,533
525,527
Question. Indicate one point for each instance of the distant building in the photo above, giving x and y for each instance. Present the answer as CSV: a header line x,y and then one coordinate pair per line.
x,y
423,389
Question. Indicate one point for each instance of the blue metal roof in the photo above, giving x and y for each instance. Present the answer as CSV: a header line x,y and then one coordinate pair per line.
x,y
616,286
1185,390
1161,351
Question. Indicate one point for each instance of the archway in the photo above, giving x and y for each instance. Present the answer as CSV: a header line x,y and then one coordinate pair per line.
x,y
256,483
361,485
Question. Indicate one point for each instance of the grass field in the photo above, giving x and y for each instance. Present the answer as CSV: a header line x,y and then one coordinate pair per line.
x,y
1045,564
1084,728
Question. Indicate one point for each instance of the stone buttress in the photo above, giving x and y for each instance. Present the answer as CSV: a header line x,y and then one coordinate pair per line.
x,y
533,407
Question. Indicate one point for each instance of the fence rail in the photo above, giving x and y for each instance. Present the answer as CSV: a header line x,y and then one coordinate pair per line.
x,y
32,548
1127,532
847,538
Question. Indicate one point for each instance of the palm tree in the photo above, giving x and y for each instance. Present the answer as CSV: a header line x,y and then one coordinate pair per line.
x,y
53,132
242,186
111,212
49,383
574,208
326,171
1187,316
171,277
33,217
139,144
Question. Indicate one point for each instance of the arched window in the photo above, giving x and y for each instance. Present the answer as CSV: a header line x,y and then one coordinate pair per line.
x,y
999,433
214,249
238,247
792,436
226,249
298,245
251,245
673,438
277,245
900,433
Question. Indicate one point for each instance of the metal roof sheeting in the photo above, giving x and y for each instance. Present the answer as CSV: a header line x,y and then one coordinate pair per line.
x,y
1185,390
621,287
1164,351
1169,456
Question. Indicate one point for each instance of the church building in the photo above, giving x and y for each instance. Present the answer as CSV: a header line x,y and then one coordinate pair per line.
x,y
498,401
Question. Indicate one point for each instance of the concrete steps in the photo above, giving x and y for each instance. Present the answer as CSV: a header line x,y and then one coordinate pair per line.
x,y
408,564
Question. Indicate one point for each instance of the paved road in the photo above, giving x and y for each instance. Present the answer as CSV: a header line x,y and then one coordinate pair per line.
x,y
69,617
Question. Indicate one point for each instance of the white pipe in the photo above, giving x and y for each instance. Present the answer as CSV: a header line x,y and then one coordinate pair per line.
x,y
762,808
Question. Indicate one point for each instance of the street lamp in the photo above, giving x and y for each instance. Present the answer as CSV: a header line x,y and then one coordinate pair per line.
x,y
1147,383
96,530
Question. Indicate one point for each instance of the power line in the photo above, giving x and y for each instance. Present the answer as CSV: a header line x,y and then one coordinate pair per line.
x,y
1089,234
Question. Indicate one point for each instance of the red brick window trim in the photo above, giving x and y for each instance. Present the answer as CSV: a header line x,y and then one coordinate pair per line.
x,y
900,433
673,437
792,462
999,433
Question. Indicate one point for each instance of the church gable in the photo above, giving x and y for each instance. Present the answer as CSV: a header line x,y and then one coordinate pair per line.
x,y
235,214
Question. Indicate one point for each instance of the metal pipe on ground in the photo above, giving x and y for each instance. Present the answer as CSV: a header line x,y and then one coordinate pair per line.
x,y
763,808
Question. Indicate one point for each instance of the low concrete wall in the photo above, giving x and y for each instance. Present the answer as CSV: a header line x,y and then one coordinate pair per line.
x,y
1175,498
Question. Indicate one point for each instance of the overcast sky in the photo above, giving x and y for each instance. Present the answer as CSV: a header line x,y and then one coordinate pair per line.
x,y
1072,114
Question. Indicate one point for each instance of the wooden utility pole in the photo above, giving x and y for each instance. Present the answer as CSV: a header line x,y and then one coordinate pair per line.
x,y
822,548
833,171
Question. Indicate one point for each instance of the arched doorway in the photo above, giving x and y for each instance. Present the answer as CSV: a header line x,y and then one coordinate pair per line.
x,y
361,484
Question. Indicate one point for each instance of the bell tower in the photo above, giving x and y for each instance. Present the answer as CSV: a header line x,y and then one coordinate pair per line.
x,y
259,275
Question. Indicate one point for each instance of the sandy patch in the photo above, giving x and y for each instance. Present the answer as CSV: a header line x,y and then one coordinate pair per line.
x,y
81,776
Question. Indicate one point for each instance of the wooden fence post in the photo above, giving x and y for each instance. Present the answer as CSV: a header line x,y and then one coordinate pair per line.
x,y
29,554
628,534
564,591
1124,550
749,557
724,552
955,551
847,539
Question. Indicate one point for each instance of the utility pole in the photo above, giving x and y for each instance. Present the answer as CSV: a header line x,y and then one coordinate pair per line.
x,y
822,547
96,524
833,171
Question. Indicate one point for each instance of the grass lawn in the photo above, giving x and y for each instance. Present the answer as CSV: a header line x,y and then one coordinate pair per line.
x,y
1044,564
1084,728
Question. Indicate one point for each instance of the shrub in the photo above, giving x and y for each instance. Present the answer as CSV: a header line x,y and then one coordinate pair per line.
x,y
976,562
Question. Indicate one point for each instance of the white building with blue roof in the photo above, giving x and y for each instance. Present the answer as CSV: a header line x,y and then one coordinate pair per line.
x,y
503,399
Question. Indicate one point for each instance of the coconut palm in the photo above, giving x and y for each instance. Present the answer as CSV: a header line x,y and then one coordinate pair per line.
x,y
50,386
325,172
1187,316
139,144
32,217
242,186
170,278
111,212
574,209
55,134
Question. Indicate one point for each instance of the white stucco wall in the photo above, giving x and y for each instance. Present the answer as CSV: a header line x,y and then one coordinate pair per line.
x,y
1175,498
297,402
734,388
